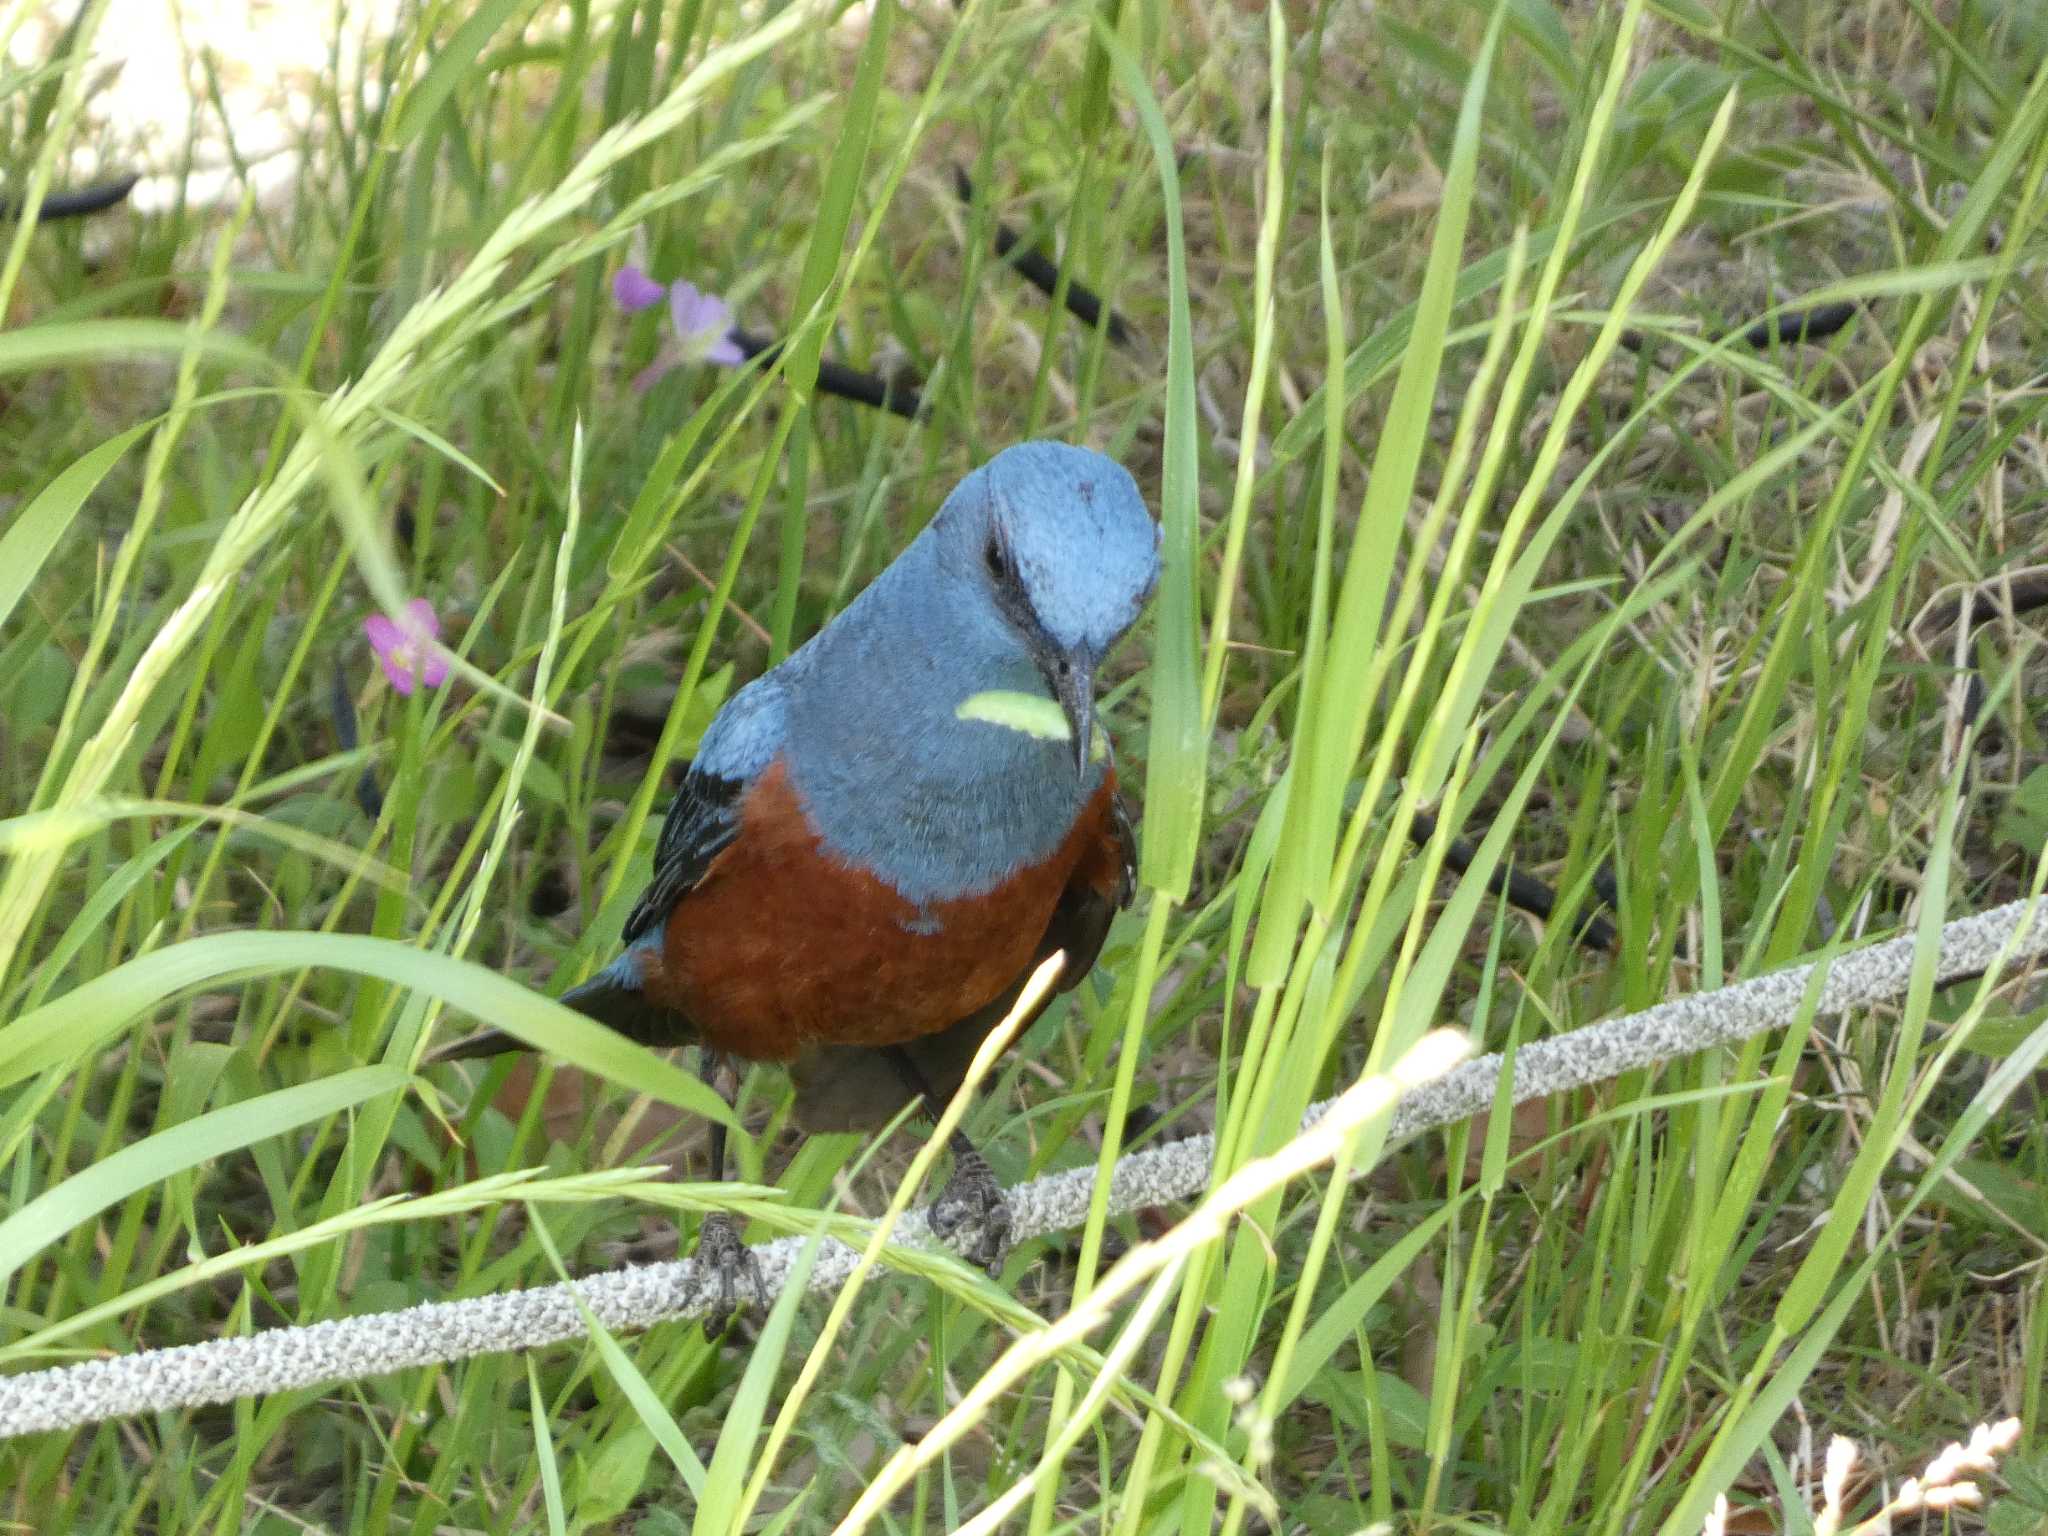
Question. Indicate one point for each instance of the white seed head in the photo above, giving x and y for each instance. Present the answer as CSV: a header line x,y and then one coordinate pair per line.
x,y
1943,1469
1993,1440
1842,1455
1834,1482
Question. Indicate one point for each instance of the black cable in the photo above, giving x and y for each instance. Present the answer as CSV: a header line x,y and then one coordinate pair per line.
x,y
1524,891
1043,273
1816,324
76,205
1796,325
341,705
837,379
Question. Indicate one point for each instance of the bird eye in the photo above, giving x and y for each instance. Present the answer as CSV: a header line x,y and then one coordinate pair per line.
x,y
998,567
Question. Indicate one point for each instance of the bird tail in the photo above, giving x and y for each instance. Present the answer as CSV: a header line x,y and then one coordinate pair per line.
x,y
613,997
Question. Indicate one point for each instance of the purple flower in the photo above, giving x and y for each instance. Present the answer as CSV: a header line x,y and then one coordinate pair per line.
x,y
633,290
407,648
701,324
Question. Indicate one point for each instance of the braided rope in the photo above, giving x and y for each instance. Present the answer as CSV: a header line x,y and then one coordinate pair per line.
x,y
435,1333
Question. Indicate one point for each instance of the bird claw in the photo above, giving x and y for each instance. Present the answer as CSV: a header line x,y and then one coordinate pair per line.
x,y
972,1207
731,1267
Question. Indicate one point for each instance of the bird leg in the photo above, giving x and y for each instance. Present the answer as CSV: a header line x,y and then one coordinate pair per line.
x,y
730,1262
972,1204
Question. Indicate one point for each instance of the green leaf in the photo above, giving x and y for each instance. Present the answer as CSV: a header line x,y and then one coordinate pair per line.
x,y
40,686
69,1028
732,1460
39,525
38,347
2023,821
544,1453
1339,1322
538,779
148,1162
1177,751
62,826
1392,1407
453,61
613,1478
812,313
2000,1032
655,1418
2021,1201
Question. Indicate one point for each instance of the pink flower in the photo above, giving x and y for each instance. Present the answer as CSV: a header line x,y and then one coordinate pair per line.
x,y
406,647
701,324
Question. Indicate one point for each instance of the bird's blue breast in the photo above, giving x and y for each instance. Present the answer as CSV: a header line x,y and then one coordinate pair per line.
x,y
893,781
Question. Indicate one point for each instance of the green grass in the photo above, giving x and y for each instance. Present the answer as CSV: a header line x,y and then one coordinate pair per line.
x,y
1436,539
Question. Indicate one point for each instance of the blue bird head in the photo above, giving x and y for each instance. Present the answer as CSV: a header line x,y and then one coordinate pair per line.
x,y
1060,542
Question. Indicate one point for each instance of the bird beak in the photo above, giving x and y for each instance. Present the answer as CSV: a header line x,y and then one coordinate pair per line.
x,y
1075,690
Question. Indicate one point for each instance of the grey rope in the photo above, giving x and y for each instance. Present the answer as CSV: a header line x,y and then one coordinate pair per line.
x,y
345,1349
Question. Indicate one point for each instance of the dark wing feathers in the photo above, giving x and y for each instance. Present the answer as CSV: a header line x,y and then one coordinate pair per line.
x,y
702,821
1081,921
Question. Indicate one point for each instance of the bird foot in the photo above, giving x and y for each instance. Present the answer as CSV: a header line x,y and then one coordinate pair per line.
x,y
972,1215
732,1270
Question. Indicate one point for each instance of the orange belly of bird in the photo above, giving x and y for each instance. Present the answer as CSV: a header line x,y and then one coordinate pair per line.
x,y
781,946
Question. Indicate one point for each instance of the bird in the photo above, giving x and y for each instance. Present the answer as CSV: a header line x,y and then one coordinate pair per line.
x,y
856,877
